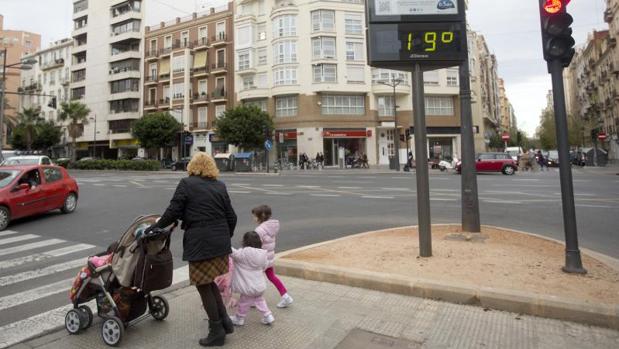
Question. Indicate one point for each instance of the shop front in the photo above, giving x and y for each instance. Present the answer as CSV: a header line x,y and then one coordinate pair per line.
x,y
346,143
218,145
287,145
443,143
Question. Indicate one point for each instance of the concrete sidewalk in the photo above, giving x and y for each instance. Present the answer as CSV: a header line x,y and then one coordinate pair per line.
x,y
326,316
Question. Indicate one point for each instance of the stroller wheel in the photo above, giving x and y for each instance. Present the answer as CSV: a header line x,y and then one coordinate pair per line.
x,y
112,331
88,313
73,321
159,308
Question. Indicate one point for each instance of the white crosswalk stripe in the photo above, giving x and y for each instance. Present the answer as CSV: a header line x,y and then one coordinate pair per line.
x,y
39,277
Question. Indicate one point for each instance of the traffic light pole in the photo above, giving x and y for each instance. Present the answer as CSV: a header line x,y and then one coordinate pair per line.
x,y
573,262
421,172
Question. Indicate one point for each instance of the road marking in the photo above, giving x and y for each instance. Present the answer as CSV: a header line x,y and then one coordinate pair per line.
x,y
449,190
238,192
441,199
349,188
272,185
527,179
377,197
276,193
49,270
160,181
119,185
368,177
7,232
447,194
137,183
99,184
593,206
33,326
170,188
18,238
37,257
581,180
325,195
396,189
506,202
34,294
240,184
308,186
30,246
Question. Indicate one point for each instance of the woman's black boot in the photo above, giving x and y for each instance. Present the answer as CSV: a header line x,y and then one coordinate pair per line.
x,y
216,335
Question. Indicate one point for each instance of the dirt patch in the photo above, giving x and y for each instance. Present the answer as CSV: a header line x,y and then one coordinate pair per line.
x,y
497,258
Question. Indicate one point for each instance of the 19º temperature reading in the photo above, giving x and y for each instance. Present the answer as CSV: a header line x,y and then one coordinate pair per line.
x,y
430,40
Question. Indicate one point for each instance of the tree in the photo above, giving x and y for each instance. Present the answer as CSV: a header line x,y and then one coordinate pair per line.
x,y
244,126
156,130
546,131
28,119
77,114
18,138
48,135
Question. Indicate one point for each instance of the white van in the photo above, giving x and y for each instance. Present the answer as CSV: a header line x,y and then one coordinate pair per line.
x,y
514,152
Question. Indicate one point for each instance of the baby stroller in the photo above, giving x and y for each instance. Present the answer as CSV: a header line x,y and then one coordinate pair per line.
x,y
121,280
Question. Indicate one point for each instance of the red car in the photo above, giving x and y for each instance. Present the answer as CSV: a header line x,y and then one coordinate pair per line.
x,y
493,162
34,189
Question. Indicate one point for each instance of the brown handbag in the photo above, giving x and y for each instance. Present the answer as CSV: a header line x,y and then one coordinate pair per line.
x,y
154,271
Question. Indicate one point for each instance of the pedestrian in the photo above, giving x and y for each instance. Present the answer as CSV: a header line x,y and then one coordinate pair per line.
x,y
541,160
248,279
267,229
203,204
365,162
524,161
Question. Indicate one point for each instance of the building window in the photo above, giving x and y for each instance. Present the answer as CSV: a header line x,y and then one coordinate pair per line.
x,y
124,106
220,109
258,103
325,73
385,105
221,31
430,77
285,52
286,106
127,85
452,78
437,105
76,93
202,117
152,96
262,56
285,76
243,35
354,51
354,24
166,92
323,20
355,73
178,64
323,48
261,80
202,89
178,90
184,39
167,42
284,26
221,58
261,32
248,83
387,75
342,105
153,71
243,59
202,33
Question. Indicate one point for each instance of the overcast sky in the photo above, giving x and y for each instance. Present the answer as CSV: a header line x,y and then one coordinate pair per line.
x,y
510,27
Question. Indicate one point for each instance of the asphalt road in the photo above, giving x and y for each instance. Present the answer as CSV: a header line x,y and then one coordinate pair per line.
x,y
312,206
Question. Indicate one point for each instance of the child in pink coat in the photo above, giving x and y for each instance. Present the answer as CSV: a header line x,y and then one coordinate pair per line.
x,y
248,279
268,229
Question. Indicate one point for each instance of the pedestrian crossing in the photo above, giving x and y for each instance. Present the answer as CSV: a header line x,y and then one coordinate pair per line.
x,y
36,274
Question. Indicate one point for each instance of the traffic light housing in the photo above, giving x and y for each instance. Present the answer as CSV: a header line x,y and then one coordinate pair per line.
x,y
52,103
557,40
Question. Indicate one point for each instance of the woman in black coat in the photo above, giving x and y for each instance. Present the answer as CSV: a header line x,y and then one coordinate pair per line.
x,y
203,204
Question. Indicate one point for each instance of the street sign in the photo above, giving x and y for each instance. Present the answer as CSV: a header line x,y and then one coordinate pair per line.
x,y
602,136
188,140
268,145
505,136
401,34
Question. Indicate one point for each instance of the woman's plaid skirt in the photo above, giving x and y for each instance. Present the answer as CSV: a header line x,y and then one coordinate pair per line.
x,y
205,271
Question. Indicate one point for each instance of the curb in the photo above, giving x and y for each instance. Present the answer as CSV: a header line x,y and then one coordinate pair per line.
x,y
604,315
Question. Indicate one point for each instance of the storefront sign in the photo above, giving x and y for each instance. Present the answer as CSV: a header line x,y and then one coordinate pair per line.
x,y
287,135
345,134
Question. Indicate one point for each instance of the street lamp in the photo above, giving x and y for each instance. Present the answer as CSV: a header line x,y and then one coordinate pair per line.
x,y
24,65
394,83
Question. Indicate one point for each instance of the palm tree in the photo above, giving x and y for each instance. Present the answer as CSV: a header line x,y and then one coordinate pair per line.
x,y
77,114
29,119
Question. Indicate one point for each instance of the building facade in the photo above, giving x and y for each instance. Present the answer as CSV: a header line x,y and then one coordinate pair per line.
x,y
49,78
188,67
106,73
304,63
17,44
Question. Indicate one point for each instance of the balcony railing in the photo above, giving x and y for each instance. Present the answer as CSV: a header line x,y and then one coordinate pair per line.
x,y
200,70
152,78
200,97
218,94
220,37
152,53
201,42
164,76
218,66
118,70
164,101
199,125
53,64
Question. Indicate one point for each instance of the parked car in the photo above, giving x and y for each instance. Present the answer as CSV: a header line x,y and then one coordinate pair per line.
x,y
514,152
27,160
493,162
180,165
34,189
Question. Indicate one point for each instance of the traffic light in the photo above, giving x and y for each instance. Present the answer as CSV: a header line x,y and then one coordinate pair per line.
x,y
407,132
52,103
557,40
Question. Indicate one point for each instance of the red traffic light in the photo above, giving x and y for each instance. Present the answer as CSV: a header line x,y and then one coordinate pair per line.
x,y
555,6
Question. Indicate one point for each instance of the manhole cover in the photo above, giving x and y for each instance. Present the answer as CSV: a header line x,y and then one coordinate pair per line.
x,y
359,339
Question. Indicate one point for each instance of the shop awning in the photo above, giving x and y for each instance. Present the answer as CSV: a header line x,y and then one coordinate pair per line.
x,y
199,59
164,67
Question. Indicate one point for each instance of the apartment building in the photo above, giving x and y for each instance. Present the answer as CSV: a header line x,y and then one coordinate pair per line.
x,y
189,72
49,77
106,73
304,63
17,43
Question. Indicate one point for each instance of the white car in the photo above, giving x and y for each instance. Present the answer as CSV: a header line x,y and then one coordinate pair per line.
x,y
28,160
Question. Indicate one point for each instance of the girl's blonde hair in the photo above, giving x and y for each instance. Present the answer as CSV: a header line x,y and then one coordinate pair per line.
x,y
203,165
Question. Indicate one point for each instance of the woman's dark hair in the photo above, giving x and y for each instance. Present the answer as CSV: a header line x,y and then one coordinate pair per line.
x,y
262,212
252,239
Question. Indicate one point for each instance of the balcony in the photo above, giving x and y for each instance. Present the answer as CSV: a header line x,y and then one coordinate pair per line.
x,y
35,86
78,65
151,105
151,80
124,95
80,12
253,92
164,77
77,83
78,48
218,40
246,71
219,96
164,103
219,68
125,55
200,98
133,34
199,72
125,73
151,55
123,115
130,14
201,44
53,64
402,89
79,30
201,125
